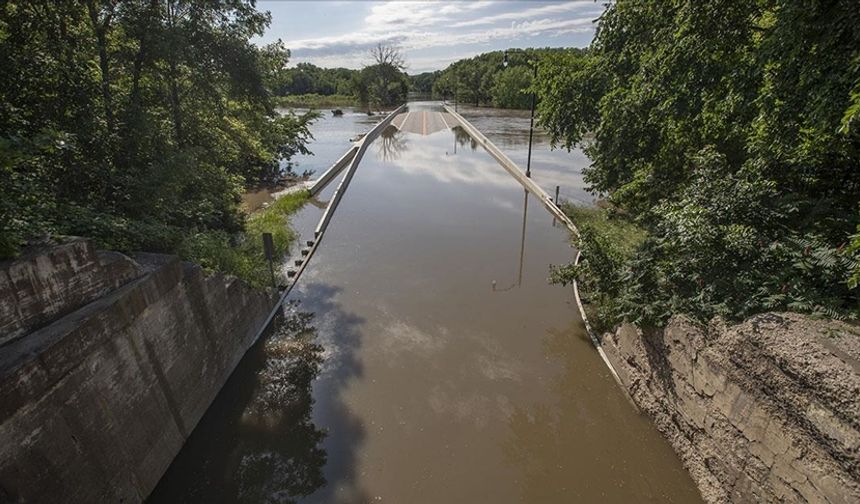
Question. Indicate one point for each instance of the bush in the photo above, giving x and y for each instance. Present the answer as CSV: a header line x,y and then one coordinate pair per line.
x,y
721,249
242,255
314,101
607,242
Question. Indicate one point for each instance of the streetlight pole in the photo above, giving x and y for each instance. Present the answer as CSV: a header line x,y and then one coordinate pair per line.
x,y
531,125
532,120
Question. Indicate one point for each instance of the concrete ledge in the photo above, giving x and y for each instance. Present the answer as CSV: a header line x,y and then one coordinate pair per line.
x,y
95,405
51,281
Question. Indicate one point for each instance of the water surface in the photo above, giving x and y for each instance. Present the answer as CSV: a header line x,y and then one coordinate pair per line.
x,y
451,370
550,167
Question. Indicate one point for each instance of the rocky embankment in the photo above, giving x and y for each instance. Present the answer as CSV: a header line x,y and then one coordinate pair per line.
x,y
764,411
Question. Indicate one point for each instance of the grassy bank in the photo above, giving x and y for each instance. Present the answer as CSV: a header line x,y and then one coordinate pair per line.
x,y
625,235
314,101
608,243
242,255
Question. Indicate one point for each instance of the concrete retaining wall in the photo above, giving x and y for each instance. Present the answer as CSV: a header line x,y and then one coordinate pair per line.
x,y
765,411
52,281
95,405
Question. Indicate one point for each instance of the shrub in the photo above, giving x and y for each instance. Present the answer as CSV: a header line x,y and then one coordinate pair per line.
x,y
242,255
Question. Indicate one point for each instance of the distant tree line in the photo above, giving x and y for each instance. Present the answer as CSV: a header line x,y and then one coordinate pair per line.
x,y
481,80
307,78
485,80
423,82
380,84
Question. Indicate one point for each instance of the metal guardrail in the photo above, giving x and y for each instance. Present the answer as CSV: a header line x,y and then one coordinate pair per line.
x,y
357,151
344,182
547,201
514,170
595,340
327,176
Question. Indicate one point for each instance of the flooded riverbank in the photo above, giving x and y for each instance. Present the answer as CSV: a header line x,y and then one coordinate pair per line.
x,y
451,370
332,135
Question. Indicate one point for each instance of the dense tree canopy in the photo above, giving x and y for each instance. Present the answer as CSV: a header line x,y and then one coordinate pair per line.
x,y
484,79
134,121
306,78
423,82
726,129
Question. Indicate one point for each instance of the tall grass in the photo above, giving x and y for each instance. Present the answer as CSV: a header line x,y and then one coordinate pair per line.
x,y
608,242
313,100
626,235
242,255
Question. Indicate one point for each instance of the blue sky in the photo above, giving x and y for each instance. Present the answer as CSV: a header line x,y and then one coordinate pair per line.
x,y
431,34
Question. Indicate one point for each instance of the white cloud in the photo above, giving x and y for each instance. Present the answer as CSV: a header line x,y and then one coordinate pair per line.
x,y
419,26
363,40
515,30
400,14
533,12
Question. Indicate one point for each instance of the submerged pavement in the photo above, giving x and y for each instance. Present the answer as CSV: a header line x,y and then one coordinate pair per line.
x,y
452,371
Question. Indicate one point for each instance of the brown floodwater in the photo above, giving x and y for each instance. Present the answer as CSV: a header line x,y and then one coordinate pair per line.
x,y
450,370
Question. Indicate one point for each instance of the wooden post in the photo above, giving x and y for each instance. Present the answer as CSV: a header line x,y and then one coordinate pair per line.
x,y
269,250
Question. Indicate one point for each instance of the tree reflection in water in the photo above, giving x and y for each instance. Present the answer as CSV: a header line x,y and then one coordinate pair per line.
x,y
256,442
392,143
277,470
463,138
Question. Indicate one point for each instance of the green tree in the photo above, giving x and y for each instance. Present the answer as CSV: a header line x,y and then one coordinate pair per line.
x,y
383,83
725,129
509,86
135,122
484,79
423,82
306,78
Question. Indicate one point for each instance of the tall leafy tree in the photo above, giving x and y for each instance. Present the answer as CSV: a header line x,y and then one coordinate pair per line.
x,y
134,121
725,129
384,82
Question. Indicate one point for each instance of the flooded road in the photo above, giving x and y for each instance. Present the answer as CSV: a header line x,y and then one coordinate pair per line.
x,y
449,369
509,130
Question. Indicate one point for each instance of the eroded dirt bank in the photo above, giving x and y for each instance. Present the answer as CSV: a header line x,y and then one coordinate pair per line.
x,y
767,410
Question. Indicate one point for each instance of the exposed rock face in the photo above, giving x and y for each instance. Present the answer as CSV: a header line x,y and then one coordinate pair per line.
x,y
96,402
767,410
